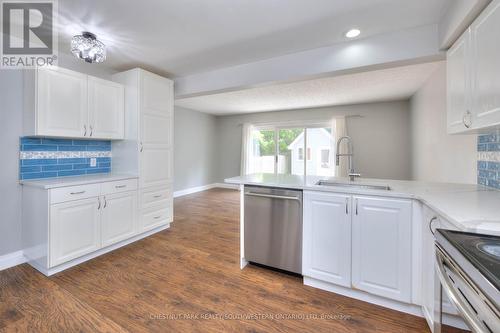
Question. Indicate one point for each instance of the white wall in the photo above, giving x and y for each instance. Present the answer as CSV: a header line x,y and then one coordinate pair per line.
x,y
381,137
437,156
11,97
195,158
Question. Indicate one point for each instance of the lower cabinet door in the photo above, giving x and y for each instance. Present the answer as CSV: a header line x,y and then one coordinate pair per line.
x,y
74,230
381,247
119,214
327,237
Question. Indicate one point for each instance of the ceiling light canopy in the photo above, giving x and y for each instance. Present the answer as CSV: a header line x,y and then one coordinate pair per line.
x,y
353,33
87,47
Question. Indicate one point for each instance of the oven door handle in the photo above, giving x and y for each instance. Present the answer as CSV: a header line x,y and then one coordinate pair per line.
x,y
453,294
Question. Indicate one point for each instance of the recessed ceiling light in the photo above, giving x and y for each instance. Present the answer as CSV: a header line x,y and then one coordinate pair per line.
x,y
353,33
87,47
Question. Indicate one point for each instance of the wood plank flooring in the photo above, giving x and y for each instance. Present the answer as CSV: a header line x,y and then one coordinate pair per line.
x,y
184,279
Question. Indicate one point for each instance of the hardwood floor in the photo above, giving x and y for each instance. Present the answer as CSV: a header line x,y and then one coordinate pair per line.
x,y
185,279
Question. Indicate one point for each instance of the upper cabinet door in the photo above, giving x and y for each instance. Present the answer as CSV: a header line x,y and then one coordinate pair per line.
x,y
61,103
157,95
459,114
327,237
485,64
381,247
106,109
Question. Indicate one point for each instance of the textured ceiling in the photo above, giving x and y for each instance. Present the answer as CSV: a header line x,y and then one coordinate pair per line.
x,y
374,86
180,37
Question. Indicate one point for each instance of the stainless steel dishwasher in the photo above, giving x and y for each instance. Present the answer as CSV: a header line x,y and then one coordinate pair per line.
x,y
273,227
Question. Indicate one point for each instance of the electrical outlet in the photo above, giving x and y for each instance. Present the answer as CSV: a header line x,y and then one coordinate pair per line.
x,y
93,162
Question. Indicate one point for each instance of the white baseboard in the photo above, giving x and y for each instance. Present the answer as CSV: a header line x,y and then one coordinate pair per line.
x,y
228,186
204,188
12,259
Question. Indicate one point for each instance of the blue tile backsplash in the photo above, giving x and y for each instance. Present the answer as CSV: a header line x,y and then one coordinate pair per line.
x,y
46,158
488,165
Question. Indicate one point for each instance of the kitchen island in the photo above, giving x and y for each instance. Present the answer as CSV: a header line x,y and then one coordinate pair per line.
x,y
377,245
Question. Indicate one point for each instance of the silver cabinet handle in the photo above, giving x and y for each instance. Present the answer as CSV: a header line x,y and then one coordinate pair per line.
x,y
142,148
356,206
272,196
91,130
120,186
347,206
84,130
430,224
105,202
157,217
467,119
74,193
157,196
99,200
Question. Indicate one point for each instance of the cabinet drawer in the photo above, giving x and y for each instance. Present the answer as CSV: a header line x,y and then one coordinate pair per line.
x,y
153,218
119,186
70,193
154,197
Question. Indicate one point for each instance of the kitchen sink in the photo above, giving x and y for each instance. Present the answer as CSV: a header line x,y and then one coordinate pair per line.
x,y
354,185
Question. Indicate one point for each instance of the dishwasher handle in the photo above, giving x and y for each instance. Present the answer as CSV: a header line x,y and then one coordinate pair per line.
x,y
272,196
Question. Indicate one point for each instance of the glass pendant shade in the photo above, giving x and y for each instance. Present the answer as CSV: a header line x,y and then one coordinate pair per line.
x,y
87,47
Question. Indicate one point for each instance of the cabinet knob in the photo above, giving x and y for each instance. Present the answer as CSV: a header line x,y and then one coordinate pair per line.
x,y
84,130
467,119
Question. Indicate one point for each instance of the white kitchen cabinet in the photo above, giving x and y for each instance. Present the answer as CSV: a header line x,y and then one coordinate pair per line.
x,y
327,237
459,111
485,52
65,224
473,76
119,216
148,146
74,229
106,109
381,247
62,103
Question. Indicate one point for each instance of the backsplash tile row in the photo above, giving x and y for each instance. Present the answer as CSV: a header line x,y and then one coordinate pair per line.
x,y
46,158
488,165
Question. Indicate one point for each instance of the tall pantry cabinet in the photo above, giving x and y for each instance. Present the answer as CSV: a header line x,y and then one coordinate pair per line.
x,y
148,146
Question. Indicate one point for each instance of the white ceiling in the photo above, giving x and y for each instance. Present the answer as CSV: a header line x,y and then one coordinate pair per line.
x,y
180,37
375,86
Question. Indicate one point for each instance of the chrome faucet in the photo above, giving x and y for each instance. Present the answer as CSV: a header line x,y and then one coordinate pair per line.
x,y
350,153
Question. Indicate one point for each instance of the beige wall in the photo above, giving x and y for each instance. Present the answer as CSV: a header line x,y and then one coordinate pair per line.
x,y
437,156
381,137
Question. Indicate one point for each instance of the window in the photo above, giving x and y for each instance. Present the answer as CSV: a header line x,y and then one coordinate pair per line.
x,y
325,158
301,154
298,150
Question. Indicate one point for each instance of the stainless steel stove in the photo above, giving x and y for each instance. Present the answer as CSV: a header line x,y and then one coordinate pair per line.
x,y
468,266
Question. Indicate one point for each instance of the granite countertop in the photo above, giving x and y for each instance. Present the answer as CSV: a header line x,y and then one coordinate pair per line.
x,y
49,183
473,208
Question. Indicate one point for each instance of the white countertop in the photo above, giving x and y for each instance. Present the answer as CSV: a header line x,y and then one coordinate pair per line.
x,y
473,208
49,183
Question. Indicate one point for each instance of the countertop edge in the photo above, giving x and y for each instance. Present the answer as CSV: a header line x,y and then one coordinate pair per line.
x,y
72,181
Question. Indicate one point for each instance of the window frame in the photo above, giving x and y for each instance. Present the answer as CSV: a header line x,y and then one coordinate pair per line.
x,y
277,126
